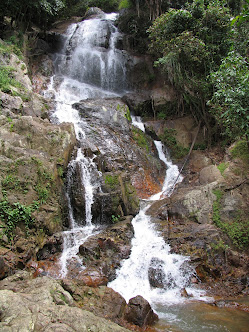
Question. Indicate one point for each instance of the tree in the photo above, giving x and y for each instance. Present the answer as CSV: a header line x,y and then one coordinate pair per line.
x,y
39,12
230,99
188,44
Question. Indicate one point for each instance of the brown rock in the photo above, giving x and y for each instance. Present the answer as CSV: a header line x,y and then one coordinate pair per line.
x,y
210,174
4,268
139,312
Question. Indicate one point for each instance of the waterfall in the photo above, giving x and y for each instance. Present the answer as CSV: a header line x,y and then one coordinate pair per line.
x,y
90,66
137,122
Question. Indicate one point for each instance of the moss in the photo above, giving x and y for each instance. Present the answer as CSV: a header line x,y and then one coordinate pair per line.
x,y
166,110
240,150
141,139
169,139
221,167
111,180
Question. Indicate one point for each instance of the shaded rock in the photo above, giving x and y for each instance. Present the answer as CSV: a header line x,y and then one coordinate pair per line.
x,y
138,103
139,312
185,129
210,174
198,160
4,268
233,206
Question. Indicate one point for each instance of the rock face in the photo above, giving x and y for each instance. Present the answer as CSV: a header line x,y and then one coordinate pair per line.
x,y
34,155
129,164
188,221
42,304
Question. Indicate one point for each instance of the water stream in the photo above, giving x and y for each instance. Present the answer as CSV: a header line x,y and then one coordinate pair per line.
x,y
90,66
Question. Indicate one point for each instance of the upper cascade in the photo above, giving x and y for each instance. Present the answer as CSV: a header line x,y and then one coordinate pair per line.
x,y
90,55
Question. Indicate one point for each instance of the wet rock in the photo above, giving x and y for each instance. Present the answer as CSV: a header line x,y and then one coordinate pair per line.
x,y
105,251
184,293
139,312
92,277
110,110
52,246
94,11
156,274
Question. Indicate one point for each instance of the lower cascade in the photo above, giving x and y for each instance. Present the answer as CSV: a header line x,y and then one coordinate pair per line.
x,y
151,270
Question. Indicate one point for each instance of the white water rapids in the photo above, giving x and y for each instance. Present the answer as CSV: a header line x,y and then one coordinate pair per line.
x,y
88,68
150,260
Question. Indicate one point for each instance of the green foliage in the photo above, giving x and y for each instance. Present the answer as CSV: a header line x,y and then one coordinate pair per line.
x,y
244,14
238,231
221,167
220,245
230,99
216,207
140,138
6,79
188,43
23,13
15,214
60,171
125,4
42,192
115,218
240,150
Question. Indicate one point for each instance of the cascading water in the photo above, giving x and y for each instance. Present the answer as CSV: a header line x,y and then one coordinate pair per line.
x,y
151,271
78,233
88,66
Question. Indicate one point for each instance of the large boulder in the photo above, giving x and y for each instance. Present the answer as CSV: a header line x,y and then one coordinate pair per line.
x,y
101,301
195,203
139,312
43,304
210,174
105,251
